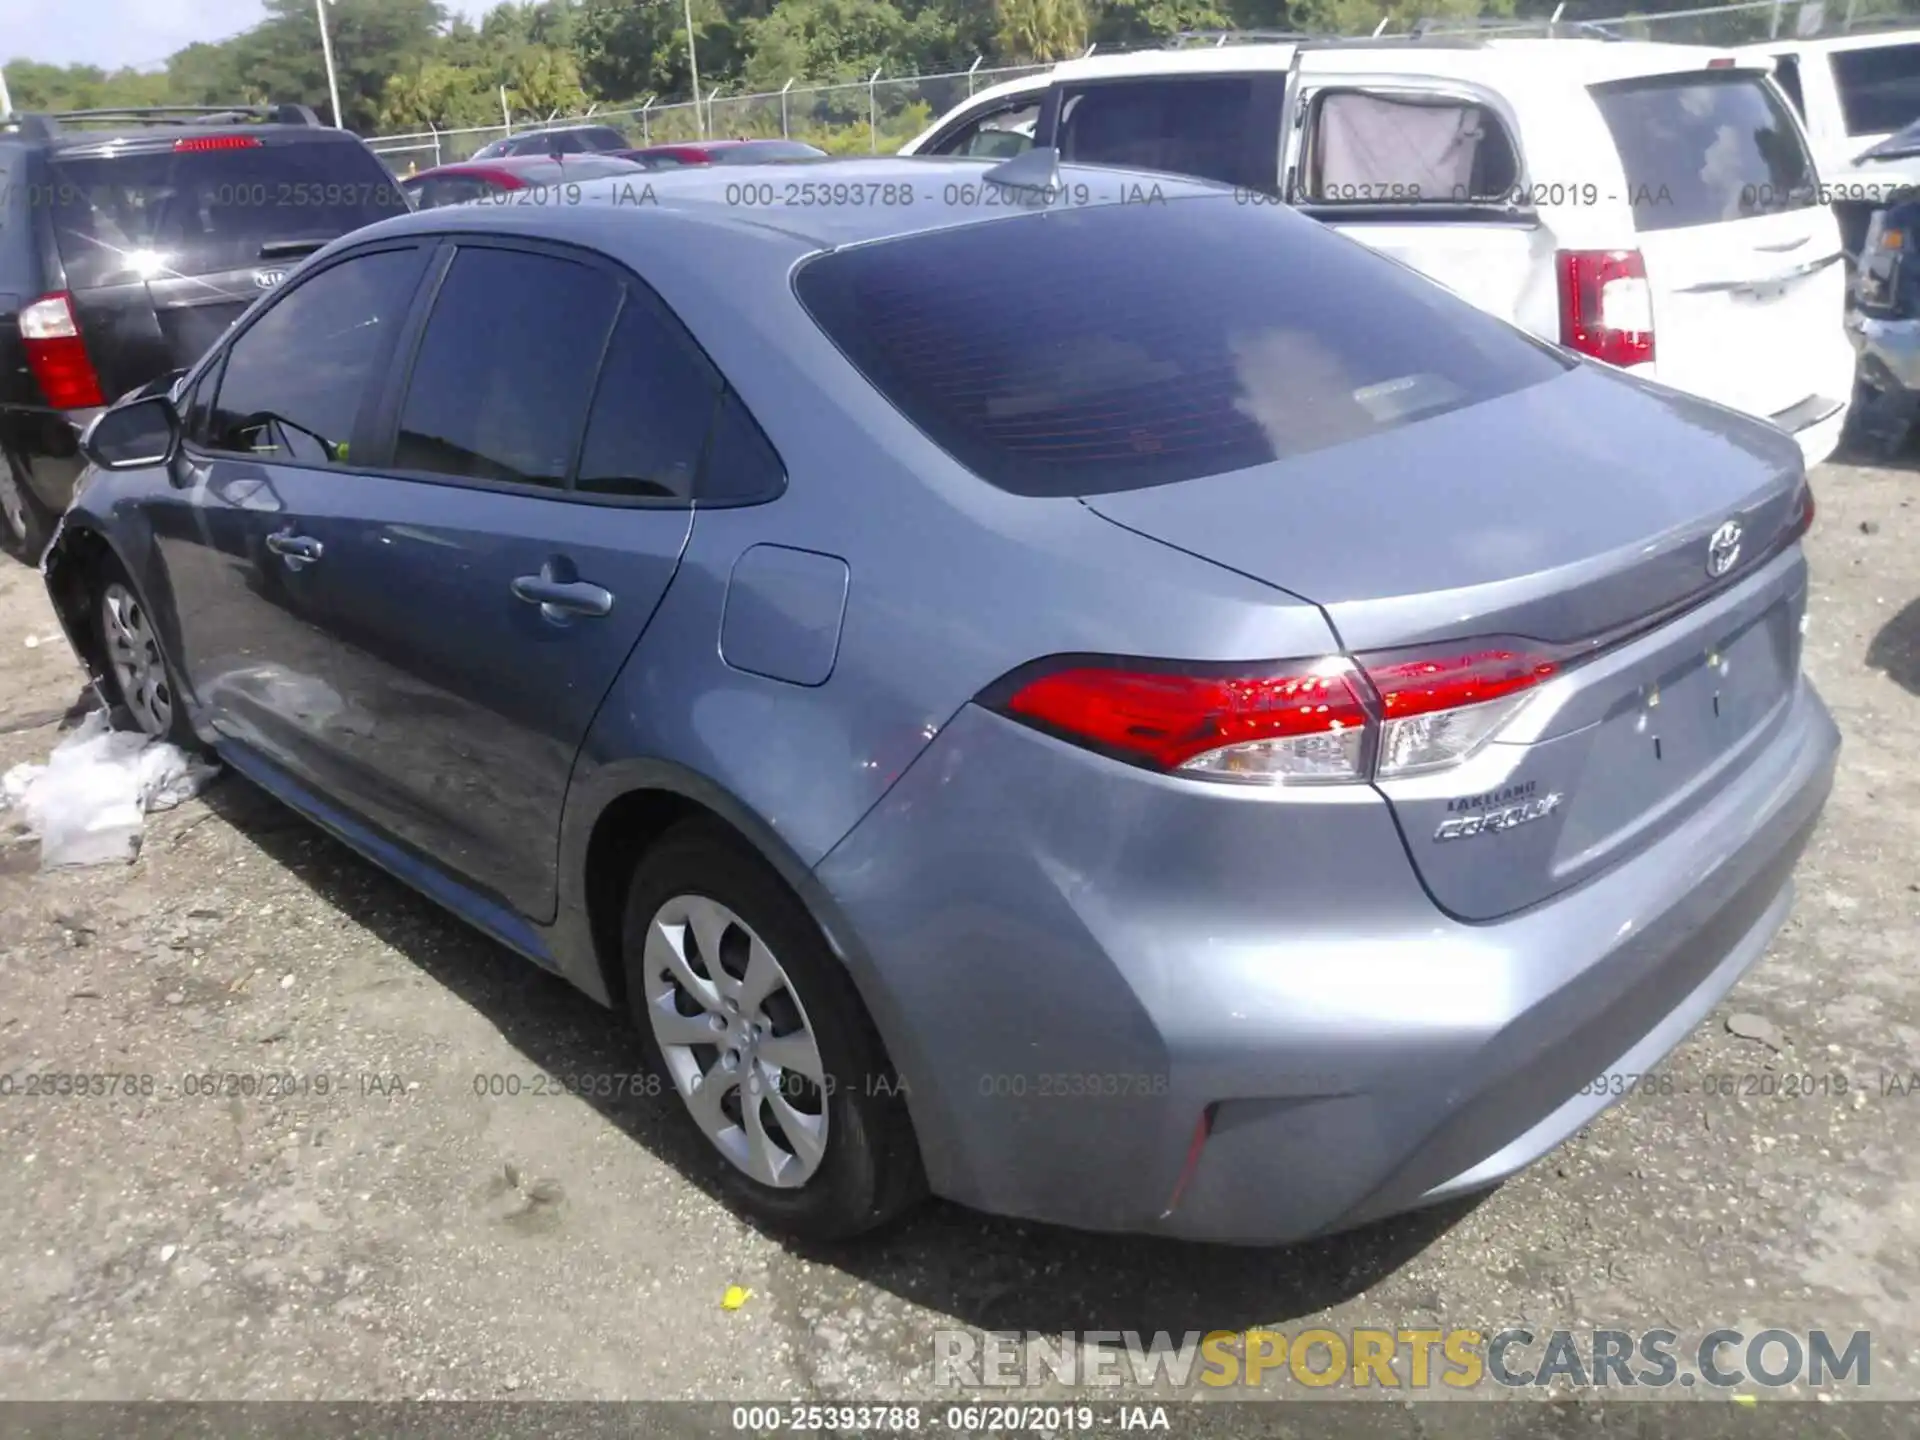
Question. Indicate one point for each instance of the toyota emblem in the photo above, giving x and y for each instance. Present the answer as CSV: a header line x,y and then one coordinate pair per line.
x,y
1723,550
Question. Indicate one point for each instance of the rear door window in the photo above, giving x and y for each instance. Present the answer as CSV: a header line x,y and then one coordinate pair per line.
x,y
1107,348
1702,149
1370,149
1204,128
650,418
504,374
1879,87
127,218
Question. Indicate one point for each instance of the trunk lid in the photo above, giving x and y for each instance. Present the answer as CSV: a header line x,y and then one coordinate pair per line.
x,y
1584,507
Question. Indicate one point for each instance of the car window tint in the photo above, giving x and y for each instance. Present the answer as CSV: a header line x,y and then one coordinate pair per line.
x,y
652,410
1186,127
742,465
504,374
1787,74
127,219
1033,352
1704,149
1367,149
1879,87
294,379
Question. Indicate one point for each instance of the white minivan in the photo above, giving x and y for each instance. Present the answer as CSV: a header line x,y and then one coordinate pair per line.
x,y
1653,206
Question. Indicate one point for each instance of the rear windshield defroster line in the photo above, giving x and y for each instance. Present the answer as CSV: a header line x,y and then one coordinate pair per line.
x,y
1115,347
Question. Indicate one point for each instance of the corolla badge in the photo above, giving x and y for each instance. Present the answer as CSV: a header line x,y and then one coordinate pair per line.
x,y
1723,549
1493,822
267,279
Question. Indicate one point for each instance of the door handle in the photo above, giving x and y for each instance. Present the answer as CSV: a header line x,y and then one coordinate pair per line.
x,y
558,599
296,550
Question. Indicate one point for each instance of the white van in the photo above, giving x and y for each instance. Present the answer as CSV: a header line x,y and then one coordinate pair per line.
x,y
1654,206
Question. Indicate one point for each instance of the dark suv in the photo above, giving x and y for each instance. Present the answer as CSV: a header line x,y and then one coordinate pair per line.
x,y
129,240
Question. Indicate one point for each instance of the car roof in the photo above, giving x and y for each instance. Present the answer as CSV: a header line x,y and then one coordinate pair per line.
x,y
1858,40
1578,60
633,215
517,164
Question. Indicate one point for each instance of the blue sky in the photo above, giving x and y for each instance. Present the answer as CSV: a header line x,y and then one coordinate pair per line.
x,y
112,33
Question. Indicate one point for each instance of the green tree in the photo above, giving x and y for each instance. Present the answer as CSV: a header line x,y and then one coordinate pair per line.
x,y
1041,29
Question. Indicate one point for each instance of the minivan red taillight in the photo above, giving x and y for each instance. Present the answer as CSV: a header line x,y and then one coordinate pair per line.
x,y
1606,307
1332,720
57,355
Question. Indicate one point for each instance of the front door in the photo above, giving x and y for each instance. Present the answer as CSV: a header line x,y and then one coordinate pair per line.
x,y
269,432
484,590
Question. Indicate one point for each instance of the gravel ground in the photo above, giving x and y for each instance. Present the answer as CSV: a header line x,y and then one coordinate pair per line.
x,y
402,1236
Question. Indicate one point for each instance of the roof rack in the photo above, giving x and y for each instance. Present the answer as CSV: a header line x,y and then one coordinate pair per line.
x,y
1495,27
1241,37
46,126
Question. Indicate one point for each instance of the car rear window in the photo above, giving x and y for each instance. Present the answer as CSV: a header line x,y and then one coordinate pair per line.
x,y
132,217
1700,149
1879,87
1114,347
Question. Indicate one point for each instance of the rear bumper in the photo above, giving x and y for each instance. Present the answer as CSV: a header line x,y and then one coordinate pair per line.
x,y
1816,425
1071,966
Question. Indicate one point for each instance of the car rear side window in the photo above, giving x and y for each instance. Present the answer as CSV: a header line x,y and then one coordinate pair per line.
x,y
1108,348
504,374
1184,127
1879,87
652,411
1366,149
292,383
129,218
1701,149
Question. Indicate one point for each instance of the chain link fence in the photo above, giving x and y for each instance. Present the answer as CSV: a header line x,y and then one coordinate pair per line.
x,y
879,115
871,117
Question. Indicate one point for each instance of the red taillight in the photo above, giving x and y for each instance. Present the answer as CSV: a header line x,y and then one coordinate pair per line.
x,y
218,142
1331,720
1721,62
1606,308
1803,521
1305,724
57,355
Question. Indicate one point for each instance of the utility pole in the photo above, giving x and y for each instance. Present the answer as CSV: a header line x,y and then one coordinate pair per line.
x,y
693,68
326,51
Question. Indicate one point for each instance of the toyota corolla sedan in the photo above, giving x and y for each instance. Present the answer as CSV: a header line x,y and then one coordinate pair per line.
x,y
1114,706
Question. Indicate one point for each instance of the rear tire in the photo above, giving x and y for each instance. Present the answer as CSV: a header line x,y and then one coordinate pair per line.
x,y
762,1042
26,524
140,678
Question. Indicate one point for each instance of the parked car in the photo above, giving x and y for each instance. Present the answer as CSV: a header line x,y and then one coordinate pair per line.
x,y
498,179
129,240
1885,326
726,152
1653,206
1854,90
998,725
554,140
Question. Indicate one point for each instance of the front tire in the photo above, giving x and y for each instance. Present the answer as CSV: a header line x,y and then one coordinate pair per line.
x,y
751,1021
140,679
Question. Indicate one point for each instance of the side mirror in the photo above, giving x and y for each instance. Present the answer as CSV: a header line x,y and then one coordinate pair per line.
x,y
133,434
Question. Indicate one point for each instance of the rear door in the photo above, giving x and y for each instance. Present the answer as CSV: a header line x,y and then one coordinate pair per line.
x,y
537,473
1428,170
166,243
1744,263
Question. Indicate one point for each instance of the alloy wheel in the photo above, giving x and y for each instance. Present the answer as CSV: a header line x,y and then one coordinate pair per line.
x,y
736,1041
134,652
